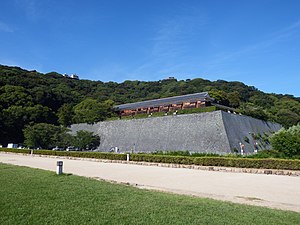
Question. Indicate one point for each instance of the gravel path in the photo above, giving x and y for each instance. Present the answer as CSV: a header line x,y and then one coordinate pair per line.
x,y
275,191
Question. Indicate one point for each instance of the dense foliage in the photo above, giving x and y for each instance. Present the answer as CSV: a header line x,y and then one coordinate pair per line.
x,y
85,140
45,136
48,136
29,97
287,141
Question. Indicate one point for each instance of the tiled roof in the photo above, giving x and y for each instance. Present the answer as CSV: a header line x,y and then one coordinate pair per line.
x,y
203,96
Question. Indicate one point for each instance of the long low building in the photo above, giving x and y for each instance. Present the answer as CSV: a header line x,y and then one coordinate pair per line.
x,y
196,100
215,132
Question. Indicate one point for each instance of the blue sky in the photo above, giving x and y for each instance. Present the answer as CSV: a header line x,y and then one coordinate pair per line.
x,y
256,42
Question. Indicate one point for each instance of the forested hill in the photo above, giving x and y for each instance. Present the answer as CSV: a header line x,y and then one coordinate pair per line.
x,y
29,97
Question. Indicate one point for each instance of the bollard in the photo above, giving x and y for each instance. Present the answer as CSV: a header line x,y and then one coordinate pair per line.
x,y
128,158
59,168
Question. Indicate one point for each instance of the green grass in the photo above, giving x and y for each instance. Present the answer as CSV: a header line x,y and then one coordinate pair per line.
x,y
32,196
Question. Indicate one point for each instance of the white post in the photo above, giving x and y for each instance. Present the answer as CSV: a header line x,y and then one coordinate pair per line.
x,y
59,167
242,146
128,157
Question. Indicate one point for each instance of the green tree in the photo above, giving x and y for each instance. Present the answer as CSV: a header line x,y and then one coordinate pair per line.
x,y
287,141
45,136
220,97
91,111
86,140
65,115
288,103
15,118
14,95
252,110
287,117
107,109
234,99
263,100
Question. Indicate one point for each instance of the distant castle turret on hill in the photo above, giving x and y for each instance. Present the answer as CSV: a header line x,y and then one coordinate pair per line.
x,y
73,76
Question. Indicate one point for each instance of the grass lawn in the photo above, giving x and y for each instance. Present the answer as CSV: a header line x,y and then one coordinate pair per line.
x,y
33,196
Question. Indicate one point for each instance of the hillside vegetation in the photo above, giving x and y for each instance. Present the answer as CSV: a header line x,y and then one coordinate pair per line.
x,y
30,97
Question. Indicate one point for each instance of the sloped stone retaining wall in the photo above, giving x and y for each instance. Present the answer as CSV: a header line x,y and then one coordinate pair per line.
x,y
214,132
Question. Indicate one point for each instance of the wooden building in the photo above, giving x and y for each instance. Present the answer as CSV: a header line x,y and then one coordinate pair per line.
x,y
196,100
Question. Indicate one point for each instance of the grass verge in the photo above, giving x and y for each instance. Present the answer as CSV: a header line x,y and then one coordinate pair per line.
x,y
32,196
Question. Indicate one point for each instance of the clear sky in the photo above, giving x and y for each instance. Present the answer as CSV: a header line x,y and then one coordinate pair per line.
x,y
253,41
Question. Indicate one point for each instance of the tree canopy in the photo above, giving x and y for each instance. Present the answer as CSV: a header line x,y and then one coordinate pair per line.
x,y
48,136
43,135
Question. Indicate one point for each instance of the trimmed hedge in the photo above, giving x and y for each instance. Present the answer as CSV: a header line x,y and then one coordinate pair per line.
x,y
221,161
186,160
24,151
162,159
96,155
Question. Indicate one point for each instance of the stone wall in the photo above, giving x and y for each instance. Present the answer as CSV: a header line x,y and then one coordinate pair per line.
x,y
243,128
202,132
214,132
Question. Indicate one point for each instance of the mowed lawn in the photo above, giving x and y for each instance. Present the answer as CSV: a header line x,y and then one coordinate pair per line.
x,y
33,196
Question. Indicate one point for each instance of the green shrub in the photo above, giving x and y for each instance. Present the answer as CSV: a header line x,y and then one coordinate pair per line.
x,y
272,154
174,153
287,141
96,155
199,154
220,161
162,159
14,150
246,139
269,163
185,153
170,113
249,163
196,110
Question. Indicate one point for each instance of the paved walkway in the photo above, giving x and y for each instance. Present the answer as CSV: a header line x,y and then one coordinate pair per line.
x,y
274,191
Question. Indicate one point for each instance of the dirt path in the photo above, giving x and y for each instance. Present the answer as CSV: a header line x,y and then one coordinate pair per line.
x,y
275,191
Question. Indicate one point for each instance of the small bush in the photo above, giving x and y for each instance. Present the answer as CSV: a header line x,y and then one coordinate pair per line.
x,y
246,139
197,110
272,154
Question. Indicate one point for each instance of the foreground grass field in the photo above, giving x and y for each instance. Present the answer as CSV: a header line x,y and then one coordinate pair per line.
x,y
32,196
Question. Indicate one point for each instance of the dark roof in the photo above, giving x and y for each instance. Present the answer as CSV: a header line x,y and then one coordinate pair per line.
x,y
203,96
